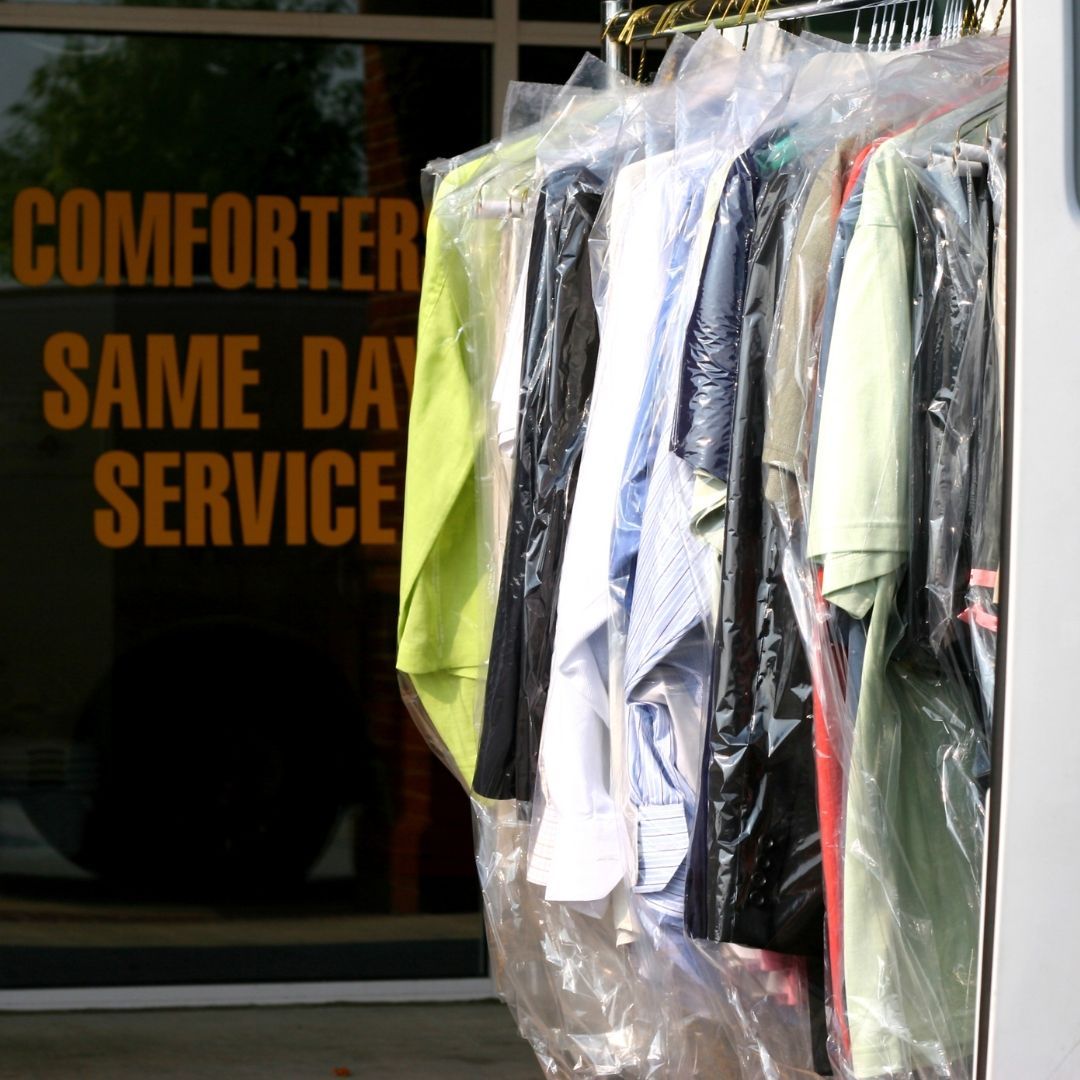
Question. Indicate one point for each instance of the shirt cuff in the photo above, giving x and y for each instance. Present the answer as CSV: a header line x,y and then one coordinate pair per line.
x,y
707,508
576,858
662,843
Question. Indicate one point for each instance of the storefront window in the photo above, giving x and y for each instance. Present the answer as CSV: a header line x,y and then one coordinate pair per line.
x,y
561,10
436,8
549,64
210,255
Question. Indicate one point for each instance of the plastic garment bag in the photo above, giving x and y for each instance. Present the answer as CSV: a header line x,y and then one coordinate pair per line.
x,y
447,544
561,341
758,828
560,352
745,687
911,795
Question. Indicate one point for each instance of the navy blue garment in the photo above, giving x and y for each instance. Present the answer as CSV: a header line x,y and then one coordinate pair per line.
x,y
701,434
559,364
755,870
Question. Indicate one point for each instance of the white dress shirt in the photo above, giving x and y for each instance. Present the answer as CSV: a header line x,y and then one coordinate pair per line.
x,y
578,853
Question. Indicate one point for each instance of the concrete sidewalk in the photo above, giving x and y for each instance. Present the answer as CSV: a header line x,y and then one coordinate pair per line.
x,y
376,1042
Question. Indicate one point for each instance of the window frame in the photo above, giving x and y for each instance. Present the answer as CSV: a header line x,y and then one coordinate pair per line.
x,y
503,31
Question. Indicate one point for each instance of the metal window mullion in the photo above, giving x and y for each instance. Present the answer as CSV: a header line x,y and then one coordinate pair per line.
x,y
274,995
565,34
116,19
504,61
133,19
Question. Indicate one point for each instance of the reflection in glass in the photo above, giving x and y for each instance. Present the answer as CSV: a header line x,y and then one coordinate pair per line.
x,y
441,8
549,64
202,747
561,10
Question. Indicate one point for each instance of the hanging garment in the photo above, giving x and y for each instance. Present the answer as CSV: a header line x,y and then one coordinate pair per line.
x,y
741,663
668,653
909,799
757,843
441,646
791,373
981,597
577,854
561,343
953,319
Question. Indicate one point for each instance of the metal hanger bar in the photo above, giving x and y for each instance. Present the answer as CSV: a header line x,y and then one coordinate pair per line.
x,y
645,30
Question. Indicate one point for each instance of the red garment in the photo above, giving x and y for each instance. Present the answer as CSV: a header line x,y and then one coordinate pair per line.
x,y
827,678
827,669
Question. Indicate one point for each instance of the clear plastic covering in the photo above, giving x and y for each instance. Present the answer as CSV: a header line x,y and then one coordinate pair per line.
x,y
701,547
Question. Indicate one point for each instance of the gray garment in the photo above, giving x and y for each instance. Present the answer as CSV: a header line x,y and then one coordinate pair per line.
x,y
793,354
845,230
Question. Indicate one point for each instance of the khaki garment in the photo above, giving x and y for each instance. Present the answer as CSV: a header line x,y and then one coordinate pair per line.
x,y
792,361
912,843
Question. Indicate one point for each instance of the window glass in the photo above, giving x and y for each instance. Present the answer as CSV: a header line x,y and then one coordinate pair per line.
x,y
561,10
544,64
435,8
210,253
444,8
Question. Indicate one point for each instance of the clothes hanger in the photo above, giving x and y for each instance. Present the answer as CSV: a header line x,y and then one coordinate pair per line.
x,y
883,25
626,35
871,37
895,28
672,13
954,24
743,12
906,26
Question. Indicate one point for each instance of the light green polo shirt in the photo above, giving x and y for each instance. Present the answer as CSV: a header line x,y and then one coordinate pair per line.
x,y
444,619
913,831
859,516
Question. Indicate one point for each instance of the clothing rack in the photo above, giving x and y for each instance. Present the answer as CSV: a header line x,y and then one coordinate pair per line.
x,y
624,28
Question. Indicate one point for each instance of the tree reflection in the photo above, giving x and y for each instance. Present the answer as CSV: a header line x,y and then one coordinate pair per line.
x,y
185,114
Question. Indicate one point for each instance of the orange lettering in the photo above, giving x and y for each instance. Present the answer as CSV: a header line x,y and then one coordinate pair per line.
x,y
256,510
187,236
127,254
276,263
237,378
399,255
117,385
157,495
164,383
406,350
325,391
230,253
319,208
373,494
374,386
329,526
68,407
295,498
206,482
80,237
32,263
117,527
355,240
